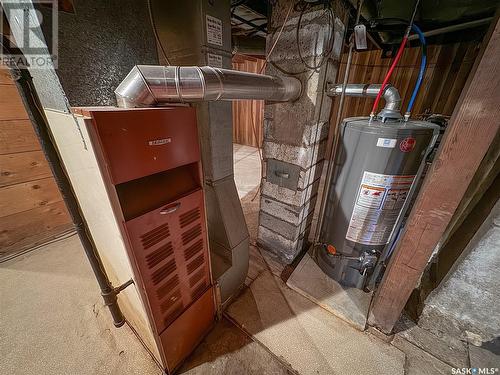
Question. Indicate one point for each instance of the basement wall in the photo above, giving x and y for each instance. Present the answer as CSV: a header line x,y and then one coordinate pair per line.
x,y
467,302
31,208
98,46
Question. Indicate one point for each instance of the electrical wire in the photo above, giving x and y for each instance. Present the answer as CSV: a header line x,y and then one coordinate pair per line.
x,y
331,40
395,62
388,75
301,7
277,38
421,72
155,32
254,128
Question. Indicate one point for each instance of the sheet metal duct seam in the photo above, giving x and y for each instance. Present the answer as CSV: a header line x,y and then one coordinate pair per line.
x,y
148,85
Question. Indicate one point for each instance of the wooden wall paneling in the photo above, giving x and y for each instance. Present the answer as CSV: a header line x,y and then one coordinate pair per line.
x,y
5,77
31,206
17,136
22,167
450,77
28,195
12,107
447,69
461,77
472,129
424,99
244,111
26,227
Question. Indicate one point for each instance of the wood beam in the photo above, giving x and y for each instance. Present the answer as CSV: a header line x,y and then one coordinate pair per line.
x,y
471,131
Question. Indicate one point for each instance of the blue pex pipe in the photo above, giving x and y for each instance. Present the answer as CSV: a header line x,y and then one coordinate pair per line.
x,y
423,63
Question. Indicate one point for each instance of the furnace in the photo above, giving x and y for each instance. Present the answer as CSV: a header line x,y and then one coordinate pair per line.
x,y
149,160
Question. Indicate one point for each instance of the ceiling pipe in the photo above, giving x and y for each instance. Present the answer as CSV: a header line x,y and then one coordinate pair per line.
x,y
452,28
390,94
149,85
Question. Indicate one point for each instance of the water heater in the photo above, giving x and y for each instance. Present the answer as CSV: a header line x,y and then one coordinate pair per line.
x,y
376,165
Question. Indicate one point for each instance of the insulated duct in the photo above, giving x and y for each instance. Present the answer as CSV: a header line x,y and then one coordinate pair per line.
x,y
391,96
148,85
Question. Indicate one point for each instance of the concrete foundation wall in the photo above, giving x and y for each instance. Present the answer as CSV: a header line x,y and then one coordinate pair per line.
x,y
467,302
296,133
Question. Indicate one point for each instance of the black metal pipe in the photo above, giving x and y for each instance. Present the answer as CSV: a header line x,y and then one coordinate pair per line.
x,y
33,107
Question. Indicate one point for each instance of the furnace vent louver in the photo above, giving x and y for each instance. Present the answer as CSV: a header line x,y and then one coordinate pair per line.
x,y
172,256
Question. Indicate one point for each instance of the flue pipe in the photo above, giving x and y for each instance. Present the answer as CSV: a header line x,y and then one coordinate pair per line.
x,y
391,96
149,85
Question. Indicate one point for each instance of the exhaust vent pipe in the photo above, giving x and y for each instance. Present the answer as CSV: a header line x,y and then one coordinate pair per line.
x,y
391,96
149,85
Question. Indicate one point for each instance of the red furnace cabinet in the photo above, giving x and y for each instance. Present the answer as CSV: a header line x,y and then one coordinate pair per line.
x,y
150,161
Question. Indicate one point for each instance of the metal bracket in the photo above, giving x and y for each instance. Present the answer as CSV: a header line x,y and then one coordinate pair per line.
x,y
283,174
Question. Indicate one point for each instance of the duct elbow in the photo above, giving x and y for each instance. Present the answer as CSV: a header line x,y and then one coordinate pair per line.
x,y
392,108
392,98
133,91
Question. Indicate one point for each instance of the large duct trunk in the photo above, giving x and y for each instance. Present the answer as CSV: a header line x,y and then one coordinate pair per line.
x,y
148,85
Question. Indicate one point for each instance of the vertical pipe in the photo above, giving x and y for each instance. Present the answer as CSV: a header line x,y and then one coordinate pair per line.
x,y
39,122
335,141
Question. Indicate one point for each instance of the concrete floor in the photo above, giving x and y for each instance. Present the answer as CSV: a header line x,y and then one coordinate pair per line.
x,y
53,322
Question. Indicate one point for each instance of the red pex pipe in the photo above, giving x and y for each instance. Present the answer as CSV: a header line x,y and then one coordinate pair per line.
x,y
389,73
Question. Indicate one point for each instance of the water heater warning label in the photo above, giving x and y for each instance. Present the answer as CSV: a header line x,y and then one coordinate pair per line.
x,y
378,203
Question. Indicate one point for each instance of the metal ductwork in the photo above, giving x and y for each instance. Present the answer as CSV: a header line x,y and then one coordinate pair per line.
x,y
391,96
149,85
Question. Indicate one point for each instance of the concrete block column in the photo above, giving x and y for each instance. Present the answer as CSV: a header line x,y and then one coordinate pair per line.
x,y
295,133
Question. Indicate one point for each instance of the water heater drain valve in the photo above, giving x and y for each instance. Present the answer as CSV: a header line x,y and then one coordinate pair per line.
x,y
367,259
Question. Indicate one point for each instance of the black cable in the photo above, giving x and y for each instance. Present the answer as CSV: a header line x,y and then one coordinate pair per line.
x,y
301,6
330,44
155,32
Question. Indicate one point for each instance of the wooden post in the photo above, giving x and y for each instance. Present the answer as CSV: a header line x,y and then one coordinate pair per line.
x,y
472,128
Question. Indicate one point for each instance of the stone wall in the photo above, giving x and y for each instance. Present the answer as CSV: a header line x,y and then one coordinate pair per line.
x,y
295,133
467,302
